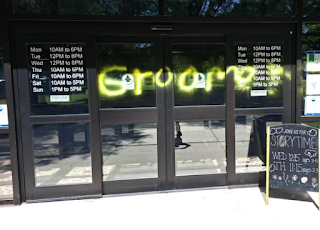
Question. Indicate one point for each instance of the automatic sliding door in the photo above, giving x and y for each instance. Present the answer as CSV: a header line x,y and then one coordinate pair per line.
x,y
130,99
198,143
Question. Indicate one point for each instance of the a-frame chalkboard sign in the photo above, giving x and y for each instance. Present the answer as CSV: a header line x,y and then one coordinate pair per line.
x,y
292,158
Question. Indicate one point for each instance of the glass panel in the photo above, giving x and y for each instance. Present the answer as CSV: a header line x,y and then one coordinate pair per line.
x,y
199,74
109,7
310,83
58,78
250,135
310,8
2,80
6,191
259,75
32,6
3,101
126,75
315,124
200,147
62,154
129,151
80,7
88,7
5,169
230,8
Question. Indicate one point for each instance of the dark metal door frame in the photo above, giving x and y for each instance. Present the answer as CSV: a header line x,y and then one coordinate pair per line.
x,y
27,120
164,114
188,113
286,40
287,110
137,115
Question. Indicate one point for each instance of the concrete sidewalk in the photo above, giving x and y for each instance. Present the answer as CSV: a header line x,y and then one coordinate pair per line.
x,y
211,208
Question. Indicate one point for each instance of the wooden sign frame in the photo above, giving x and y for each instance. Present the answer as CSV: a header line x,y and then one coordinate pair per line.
x,y
268,167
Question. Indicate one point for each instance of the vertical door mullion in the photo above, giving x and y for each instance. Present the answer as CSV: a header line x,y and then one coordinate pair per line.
x,y
161,126
288,104
297,95
95,128
169,98
13,134
230,119
26,126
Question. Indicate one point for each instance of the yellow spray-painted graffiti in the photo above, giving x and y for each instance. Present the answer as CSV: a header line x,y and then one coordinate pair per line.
x,y
168,81
187,80
140,76
108,86
182,79
215,71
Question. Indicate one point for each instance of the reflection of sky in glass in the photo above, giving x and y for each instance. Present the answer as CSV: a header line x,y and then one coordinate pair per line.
x,y
143,45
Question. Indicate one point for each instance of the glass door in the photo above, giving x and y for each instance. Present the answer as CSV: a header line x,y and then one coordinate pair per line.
x,y
57,116
196,112
130,76
175,109
132,109
162,112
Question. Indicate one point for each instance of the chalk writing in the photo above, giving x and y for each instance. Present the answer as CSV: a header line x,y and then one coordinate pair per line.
x,y
294,157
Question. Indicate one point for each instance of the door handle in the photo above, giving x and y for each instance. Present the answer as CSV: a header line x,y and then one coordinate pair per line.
x,y
161,28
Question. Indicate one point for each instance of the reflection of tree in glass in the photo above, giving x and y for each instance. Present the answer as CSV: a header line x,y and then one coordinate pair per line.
x,y
311,8
88,7
230,8
206,60
134,59
130,7
310,38
32,6
202,57
213,8
198,7
79,7
124,54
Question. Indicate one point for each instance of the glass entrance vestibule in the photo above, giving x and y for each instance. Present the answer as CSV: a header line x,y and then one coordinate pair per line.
x,y
115,108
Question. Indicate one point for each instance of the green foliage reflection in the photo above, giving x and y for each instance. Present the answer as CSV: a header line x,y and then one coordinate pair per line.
x,y
231,8
32,6
88,7
311,8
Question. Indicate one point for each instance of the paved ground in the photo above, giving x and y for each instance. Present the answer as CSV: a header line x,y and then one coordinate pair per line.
x,y
240,208
5,178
